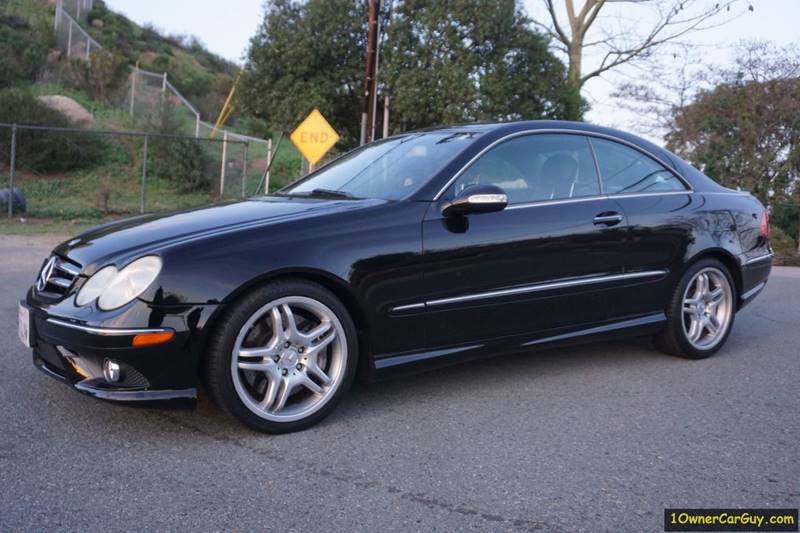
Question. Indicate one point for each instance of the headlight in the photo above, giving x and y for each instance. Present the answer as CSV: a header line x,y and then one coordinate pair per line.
x,y
92,289
113,288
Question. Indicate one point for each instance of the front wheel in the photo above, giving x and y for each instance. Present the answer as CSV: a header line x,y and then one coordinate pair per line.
x,y
701,311
283,356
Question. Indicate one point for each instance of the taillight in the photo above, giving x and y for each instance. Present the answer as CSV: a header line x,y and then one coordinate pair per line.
x,y
765,223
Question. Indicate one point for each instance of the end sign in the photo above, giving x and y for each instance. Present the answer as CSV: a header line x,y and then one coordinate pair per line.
x,y
314,137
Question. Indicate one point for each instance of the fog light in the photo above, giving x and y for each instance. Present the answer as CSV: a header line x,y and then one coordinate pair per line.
x,y
111,371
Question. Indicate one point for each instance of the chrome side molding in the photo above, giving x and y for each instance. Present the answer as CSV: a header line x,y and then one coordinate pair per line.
x,y
760,258
597,197
641,321
409,307
538,287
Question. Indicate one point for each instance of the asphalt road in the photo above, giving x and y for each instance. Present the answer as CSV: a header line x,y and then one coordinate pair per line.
x,y
595,438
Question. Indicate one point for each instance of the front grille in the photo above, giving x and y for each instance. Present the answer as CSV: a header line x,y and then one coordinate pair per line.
x,y
57,277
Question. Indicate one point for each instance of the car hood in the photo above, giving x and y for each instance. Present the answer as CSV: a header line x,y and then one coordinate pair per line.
x,y
121,240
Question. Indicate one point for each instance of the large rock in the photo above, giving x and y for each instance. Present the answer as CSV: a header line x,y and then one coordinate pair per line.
x,y
75,112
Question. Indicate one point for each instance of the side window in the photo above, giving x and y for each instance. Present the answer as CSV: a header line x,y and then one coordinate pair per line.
x,y
536,168
625,170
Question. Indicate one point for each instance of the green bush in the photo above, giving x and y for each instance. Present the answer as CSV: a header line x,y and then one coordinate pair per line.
x,y
183,161
44,151
255,127
23,49
101,78
782,243
787,218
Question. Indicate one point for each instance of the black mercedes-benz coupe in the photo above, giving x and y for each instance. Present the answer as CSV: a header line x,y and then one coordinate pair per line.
x,y
420,250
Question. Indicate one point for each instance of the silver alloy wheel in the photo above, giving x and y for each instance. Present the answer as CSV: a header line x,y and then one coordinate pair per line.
x,y
289,359
707,308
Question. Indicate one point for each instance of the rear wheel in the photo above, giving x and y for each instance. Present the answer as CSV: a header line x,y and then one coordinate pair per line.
x,y
701,312
283,356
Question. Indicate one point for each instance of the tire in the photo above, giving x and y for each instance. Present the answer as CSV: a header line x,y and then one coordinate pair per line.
x,y
680,337
272,363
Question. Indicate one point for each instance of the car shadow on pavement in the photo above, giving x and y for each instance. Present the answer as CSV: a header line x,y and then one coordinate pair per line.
x,y
379,402
436,389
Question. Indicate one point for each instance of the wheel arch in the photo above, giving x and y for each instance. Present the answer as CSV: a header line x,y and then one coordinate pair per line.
x,y
726,258
336,285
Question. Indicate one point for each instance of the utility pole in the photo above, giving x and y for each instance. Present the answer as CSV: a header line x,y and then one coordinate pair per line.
x,y
385,116
371,78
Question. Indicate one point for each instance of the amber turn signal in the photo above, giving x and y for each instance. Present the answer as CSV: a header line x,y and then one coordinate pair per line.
x,y
150,339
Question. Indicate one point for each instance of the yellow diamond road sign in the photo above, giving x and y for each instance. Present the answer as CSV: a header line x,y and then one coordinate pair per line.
x,y
314,137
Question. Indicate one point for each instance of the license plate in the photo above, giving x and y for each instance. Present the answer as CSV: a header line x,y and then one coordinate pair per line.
x,y
24,325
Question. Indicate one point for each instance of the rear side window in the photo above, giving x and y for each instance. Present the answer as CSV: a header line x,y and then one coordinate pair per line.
x,y
625,170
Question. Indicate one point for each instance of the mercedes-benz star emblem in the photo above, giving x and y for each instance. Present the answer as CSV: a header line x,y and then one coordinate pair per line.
x,y
44,275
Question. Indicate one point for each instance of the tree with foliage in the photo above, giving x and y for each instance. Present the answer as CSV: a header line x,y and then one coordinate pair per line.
x,y
307,55
457,61
441,61
744,131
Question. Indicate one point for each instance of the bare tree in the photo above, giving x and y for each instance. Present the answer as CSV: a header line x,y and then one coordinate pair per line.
x,y
658,86
632,32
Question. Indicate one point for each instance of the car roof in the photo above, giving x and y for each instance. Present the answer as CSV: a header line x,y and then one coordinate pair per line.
x,y
524,125
497,130
505,128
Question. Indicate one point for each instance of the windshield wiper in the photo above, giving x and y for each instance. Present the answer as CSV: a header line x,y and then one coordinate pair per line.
x,y
331,193
321,193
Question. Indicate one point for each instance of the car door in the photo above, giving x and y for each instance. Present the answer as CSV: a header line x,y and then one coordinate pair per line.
x,y
659,208
542,263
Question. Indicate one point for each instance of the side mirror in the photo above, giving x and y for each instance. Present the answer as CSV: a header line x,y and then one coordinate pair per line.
x,y
476,199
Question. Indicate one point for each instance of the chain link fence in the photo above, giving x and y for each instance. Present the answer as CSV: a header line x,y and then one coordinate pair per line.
x,y
78,174
71,38
148,93
77,9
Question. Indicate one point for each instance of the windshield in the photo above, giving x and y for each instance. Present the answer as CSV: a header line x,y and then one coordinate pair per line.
x,y
390,169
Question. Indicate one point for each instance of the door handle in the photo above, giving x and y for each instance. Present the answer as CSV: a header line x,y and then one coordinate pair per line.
x,y
609,218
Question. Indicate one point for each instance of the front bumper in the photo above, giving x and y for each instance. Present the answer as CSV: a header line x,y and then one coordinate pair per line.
x,y
73,352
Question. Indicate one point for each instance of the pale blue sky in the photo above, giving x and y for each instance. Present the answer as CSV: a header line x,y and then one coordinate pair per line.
x,y
226,27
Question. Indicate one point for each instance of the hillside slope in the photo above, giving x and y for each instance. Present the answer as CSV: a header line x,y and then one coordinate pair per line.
x,y
26,42
200,75
86,178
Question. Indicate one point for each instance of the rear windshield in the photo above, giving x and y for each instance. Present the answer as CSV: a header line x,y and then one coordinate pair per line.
x,y
390,169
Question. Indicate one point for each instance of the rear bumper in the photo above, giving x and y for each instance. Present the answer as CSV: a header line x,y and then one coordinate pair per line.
x,y
755,274
73,352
